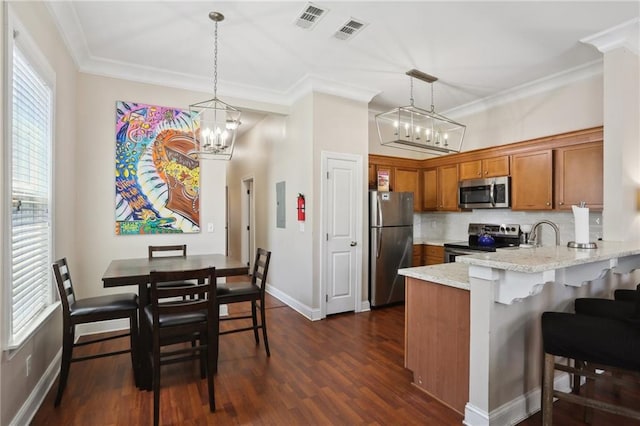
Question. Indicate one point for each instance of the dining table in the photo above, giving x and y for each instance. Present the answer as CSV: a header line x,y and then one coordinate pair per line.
x,y
124,272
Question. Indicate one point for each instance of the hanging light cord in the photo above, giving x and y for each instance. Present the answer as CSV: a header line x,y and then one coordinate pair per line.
x,y
215,61
411,92
433,107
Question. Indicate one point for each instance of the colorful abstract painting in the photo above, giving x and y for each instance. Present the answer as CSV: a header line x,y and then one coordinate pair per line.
x,y
157,172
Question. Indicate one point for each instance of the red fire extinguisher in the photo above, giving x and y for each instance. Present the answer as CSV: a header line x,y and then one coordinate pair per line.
x,y
301,215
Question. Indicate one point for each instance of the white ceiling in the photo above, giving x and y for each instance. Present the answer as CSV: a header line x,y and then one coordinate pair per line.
x,y
477,49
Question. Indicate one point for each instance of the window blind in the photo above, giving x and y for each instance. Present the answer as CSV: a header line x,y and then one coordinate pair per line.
x,y
30,195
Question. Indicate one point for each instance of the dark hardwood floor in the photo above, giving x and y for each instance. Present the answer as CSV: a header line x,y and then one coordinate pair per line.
x,y
345,370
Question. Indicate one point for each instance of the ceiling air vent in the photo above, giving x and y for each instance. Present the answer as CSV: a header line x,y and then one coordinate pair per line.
x,y
310,16
349,29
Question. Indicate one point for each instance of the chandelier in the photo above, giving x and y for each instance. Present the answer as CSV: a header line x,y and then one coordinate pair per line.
x,y
417,129
214,123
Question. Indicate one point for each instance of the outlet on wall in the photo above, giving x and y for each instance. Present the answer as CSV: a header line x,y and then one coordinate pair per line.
x,y
28,365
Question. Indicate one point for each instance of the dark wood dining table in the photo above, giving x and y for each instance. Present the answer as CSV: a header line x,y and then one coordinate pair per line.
x,y
123,272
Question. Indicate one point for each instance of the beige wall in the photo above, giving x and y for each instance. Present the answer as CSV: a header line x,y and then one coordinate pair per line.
x,y
43,346
95,223
289,149
339,125
577,105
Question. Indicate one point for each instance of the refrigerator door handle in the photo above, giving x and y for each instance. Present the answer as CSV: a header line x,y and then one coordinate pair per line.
x,y
379,238
379,211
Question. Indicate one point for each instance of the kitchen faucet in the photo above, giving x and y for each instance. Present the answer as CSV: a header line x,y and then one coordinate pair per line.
x,y
534,228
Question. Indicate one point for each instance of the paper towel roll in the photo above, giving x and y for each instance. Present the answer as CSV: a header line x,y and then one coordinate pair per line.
x,y
581,221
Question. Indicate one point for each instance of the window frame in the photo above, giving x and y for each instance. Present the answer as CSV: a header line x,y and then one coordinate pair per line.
x,y
40,64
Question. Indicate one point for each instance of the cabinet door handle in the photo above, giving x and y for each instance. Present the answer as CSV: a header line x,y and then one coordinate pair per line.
x,y
561,203
548,204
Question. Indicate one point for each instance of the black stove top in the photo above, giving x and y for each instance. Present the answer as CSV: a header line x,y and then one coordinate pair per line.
x,y
505,235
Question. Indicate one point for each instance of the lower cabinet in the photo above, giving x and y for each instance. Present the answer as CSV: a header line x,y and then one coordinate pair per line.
x,y
417,259
437,333
433,255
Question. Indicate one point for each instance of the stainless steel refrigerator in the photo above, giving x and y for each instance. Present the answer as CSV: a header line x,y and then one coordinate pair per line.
x,y
390,244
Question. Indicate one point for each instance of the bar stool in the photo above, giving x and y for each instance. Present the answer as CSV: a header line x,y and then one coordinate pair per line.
x,y
93,309
596,342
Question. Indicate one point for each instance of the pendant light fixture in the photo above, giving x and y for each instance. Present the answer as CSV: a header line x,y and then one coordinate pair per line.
x,y
215,123
417,129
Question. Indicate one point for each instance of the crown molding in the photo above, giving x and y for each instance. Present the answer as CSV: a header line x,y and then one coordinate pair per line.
x,y
542,85
313,83
625,35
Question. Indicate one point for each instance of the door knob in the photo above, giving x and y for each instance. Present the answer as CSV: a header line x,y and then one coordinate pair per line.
x,y
353,243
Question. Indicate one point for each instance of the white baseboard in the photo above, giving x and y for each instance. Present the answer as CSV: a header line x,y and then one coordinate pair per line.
x,y
304,310
365,306
514,411
34,401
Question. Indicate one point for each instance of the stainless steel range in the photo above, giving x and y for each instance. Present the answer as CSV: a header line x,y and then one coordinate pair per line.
x,y
483,237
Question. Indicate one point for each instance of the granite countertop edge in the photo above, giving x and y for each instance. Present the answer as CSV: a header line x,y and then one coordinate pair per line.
x,y
539,259
449,274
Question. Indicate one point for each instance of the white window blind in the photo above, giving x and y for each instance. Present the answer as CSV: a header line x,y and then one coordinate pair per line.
x,y
31,133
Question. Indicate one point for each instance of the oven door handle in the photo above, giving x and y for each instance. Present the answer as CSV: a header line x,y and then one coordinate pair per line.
x,y
492,188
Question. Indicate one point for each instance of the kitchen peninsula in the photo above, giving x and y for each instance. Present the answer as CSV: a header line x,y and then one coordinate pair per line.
x,y
480,318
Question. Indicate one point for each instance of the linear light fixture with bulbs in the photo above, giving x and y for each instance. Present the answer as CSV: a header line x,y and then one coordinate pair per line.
x,y
417,129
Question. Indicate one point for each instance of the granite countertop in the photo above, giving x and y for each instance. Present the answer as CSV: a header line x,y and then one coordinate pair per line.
x,y
430,241
547,258
450,274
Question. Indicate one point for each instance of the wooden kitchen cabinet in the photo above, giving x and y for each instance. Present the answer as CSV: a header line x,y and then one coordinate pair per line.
x,y
430,189
437,340
447,193
578,176
408,180
373,177
440,188
418,252
532,180
433,255
485,168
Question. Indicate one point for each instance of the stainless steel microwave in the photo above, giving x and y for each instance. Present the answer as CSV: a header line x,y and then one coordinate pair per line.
x,y
489,193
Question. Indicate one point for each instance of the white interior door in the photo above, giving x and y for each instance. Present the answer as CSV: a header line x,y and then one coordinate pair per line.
x,y
343,227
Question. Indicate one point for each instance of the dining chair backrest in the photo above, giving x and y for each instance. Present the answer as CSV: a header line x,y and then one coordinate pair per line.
x,y
64,284
193,317
204,294
261,268
178,250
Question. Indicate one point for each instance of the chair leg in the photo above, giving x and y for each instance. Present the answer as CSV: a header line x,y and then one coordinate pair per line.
x,y
135,356
65,365
211,368
156,385
575,385
255,321
204,355
589,391
263,320
547,390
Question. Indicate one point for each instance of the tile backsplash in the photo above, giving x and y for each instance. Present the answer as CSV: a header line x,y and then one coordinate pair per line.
x,y
453,226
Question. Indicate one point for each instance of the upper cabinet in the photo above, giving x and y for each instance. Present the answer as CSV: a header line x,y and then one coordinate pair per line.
x,y
447,193
440,188
532,180
485,168
578,176
408,180
548,173
430,189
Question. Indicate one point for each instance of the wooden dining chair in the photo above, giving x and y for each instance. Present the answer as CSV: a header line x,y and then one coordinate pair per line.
x,y
81,311
174,322
254,292
159,252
